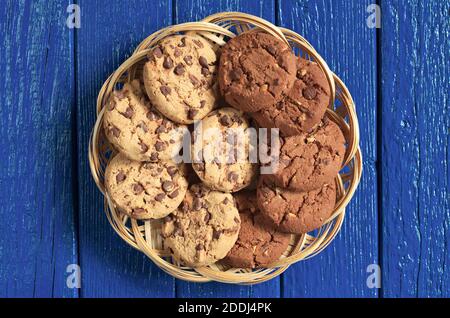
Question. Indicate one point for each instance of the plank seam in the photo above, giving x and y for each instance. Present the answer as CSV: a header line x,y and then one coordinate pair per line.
x,y
379,159
75,178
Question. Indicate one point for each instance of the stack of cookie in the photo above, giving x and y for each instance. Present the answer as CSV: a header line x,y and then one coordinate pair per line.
x,y
218,208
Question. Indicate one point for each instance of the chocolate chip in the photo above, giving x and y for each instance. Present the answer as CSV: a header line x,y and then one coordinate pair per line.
x,y
225,121
157,52
178,232
226,201
185,207
309,92
174,194
138,188
144,147
191,113
165,90
233,176
199,247
179,69
152,116
129,113
168,63
202,103
194,80
160,129
143,126
167,186
139,211
120,177
111,104
172,170
198,43
207,217
216,234
115,131
197,204
160,146
159,197
182,43
177,52
199,166
188,60
205,71
203,61
119,94
154,156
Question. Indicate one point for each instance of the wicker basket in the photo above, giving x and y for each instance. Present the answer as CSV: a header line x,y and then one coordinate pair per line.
x,y
145,235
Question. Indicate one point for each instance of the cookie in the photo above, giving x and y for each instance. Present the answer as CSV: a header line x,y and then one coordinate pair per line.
x,y
204,228
256,69
308,160
180,78
296,212
221,151
137,129
145,190
303,107
258,243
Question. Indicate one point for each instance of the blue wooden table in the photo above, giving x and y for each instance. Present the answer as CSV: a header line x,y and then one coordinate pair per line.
x,y
51,211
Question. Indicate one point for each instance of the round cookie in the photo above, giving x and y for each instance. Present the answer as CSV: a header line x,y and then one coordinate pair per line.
x,y
309,160
296,212
221,151
145,190
180,78
305,104
258,243
256,69
137,130
204,228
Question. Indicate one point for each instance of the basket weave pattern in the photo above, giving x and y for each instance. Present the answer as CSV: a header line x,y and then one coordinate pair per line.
x,y
145,235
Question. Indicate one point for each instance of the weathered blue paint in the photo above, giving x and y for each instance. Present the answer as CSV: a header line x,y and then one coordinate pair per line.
x,y
52,212
415,152
37,232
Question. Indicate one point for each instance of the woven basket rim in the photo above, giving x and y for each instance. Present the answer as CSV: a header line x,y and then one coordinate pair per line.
x,y
216,28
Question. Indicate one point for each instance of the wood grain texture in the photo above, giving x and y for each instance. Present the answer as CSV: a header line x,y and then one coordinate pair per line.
x,y
38,238
415,153
194,10
338,31
109,33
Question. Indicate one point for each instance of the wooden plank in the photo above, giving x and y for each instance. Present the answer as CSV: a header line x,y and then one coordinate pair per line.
x,y
38,236
194,10
338,31
415,152
109,33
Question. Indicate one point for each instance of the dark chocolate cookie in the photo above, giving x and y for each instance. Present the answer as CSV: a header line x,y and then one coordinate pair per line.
x,y
296,212
303,107
258,244
308,160
256,69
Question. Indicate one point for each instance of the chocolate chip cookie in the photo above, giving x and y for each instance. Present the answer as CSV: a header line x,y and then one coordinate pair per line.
x,y
180,78
296,212
204,228
137,129
308,160
303,107
221,151
258,243
145,190
256,69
